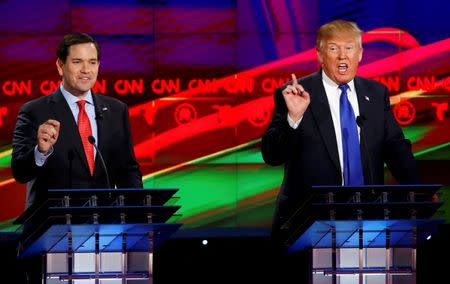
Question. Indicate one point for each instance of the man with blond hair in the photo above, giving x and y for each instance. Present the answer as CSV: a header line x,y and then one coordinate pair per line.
x,y
333,127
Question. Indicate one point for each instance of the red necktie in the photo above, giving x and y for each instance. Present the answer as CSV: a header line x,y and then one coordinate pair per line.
x,y
84,127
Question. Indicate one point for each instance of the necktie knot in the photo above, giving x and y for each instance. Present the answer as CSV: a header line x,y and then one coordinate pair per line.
x,y
81,104
344,88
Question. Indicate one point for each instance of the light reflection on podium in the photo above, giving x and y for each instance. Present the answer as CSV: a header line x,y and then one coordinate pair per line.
x,y
364,234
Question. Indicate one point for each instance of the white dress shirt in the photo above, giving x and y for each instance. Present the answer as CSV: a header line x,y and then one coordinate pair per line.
x,y
71,100
333,95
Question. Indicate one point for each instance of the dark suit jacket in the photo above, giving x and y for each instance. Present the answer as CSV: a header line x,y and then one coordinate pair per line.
x,y
309,153
67,166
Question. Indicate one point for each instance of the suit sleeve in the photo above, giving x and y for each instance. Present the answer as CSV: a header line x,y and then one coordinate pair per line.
x,y
397,150
278,138
129,174
23,165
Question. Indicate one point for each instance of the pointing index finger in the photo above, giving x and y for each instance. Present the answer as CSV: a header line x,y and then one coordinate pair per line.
x,y
294,83
294,80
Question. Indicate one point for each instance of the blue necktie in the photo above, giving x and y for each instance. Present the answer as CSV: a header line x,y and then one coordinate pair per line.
x,y
353,174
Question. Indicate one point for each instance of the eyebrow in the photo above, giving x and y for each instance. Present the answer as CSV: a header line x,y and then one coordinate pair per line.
x,y
90,59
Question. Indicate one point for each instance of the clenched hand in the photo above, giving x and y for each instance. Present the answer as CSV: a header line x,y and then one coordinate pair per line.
x,y
47,135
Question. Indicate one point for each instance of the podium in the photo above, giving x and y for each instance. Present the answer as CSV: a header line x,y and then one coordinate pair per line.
x,y
363,234
97,235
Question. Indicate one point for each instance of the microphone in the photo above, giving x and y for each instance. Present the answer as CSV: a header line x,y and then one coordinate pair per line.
x,y
91,140
360,121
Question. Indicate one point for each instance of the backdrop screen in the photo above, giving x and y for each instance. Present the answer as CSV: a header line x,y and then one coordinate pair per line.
x,y
199,78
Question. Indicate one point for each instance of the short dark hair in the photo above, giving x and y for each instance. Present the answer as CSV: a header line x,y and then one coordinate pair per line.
x,y
71,39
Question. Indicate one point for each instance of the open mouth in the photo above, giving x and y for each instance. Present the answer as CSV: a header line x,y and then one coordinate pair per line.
x,y
343,67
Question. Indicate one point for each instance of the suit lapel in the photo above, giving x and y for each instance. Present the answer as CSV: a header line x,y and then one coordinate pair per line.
x,y
365,112
363,99
99,107
321,111
69,128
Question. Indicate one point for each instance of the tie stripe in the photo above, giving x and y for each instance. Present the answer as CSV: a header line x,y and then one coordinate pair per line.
x,y
84,127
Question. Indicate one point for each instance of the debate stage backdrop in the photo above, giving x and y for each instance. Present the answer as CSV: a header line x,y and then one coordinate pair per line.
x,y
199,78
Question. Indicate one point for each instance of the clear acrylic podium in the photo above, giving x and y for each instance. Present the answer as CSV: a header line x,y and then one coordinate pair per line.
x,y
98,235
363,234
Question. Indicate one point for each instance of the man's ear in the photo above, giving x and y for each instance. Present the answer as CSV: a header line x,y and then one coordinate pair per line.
x,y
319,57
59,66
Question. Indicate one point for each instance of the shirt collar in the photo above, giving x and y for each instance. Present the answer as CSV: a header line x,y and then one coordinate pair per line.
x,y
71,99
330,83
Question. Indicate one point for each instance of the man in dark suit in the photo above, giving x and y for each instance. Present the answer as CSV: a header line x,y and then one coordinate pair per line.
x,y
308,132
50,143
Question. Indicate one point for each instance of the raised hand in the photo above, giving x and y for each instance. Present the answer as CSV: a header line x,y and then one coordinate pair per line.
x,y
296,98
47,135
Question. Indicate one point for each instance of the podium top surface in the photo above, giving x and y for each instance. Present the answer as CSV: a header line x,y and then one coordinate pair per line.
x,y
139,237
104,197
374,233
159,195
373,203
418,188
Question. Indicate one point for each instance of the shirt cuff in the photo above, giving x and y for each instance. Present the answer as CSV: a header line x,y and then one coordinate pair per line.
x,y
40,158
292,123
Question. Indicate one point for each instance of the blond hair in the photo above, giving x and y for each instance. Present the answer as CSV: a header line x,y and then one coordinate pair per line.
x,y
337,27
